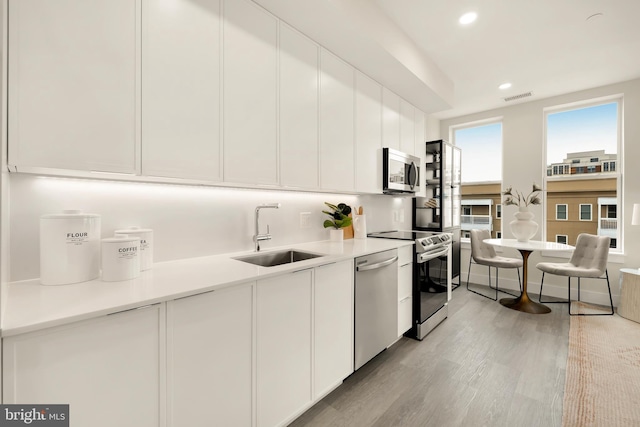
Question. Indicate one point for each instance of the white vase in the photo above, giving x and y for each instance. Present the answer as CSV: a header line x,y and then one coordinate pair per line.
x,y
336,234
523,227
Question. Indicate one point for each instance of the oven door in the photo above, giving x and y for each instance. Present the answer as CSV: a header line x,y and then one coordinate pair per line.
x,y
431,283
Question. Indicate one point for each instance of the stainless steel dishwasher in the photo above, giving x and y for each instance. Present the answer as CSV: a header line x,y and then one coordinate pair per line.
x,y
376,304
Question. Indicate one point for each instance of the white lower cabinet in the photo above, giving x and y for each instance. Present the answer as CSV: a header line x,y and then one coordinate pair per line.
x,y
107,369
405,289
333,326
209,358
283,331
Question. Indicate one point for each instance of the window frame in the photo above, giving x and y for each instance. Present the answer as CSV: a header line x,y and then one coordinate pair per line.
x,y
617,163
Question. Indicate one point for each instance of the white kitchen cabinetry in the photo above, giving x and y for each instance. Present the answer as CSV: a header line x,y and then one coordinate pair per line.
x,y
390,119
420,149
73,74
405,289
250,94
181,89
107,369
283,347
299,77
209,362
336,124
333,326
368,135
407,127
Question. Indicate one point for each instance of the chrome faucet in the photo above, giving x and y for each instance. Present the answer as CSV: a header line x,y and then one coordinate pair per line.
x,y
259,237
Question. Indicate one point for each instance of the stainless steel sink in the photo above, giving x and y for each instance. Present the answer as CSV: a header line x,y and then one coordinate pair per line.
x,y
270,259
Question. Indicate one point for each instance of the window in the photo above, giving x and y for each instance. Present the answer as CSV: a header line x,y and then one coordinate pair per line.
x,y
498,211
613,244
465,234
482,148
466,210
561,238
561,212
587,138
585,212
498,235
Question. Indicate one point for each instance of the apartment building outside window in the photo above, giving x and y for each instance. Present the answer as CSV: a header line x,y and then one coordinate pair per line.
x,y
582,185
561,238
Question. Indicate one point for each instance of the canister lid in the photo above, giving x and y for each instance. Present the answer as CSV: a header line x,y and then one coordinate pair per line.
x,y
120,238
133,230
70,214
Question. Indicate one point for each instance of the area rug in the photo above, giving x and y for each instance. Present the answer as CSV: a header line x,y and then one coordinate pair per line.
x,y
602,386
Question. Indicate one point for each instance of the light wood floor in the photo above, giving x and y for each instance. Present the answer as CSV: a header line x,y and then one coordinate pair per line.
x,y
485,365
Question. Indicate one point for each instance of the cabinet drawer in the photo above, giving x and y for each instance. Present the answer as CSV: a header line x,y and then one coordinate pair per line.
x,y
405,255
404,315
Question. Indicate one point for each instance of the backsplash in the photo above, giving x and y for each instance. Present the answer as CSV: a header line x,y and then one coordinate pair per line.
x,y
188,221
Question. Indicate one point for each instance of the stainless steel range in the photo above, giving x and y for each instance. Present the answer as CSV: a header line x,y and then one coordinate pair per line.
x,y
431,277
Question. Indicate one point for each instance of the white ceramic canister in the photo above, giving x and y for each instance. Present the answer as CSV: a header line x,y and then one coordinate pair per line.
x,y
146,244
120,258
69,247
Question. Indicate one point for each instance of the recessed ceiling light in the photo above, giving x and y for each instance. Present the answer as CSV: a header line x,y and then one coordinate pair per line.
x,y
468,18
504,86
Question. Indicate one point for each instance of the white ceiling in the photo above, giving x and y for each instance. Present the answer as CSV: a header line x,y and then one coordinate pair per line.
x,y
544,46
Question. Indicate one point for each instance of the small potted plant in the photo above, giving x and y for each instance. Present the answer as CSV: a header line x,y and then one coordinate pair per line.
x,y
339,219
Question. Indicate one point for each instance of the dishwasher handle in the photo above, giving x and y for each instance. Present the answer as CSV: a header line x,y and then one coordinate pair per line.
x,y
377,265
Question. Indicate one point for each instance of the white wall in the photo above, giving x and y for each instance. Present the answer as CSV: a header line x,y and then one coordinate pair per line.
x,y
523,150
188,221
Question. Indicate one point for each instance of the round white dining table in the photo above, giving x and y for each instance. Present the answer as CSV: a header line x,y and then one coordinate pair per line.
x,y
523,302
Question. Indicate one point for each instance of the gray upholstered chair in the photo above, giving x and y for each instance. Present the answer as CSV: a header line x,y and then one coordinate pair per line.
x,y
588,261
484,254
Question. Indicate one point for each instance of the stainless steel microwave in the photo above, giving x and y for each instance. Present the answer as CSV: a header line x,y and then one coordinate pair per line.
x,y
400,172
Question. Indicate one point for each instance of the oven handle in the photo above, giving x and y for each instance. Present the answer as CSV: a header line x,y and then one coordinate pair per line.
x,y
432,255
376,265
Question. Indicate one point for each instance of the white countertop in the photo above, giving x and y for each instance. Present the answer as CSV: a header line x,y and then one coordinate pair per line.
x,y
28,306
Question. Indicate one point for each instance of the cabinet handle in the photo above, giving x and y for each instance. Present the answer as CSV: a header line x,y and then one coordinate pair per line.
x,y
132,309
302,269
376,265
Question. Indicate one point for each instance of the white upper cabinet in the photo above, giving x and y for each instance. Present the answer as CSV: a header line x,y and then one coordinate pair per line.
x,y
181,89
336,124
72,85
390,119
368,135
299,77
407,127
420,147
250,91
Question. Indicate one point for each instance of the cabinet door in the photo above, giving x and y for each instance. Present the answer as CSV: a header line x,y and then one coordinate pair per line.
x,y
209,359
405,299
333,325
368,135
407,127
106,369
283,330
298,109
336,124
390,119
250,88
419,149
181,89
72,85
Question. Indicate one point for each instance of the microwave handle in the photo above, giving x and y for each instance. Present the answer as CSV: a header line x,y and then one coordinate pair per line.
x,y
415,181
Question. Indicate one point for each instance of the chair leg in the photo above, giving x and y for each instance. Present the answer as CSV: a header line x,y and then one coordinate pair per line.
x,y
554,302
476,292
606,272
